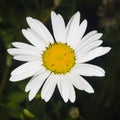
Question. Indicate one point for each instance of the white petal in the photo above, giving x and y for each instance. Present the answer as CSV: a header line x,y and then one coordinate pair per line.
x,y
15,78
40,29
93,54
90,34
22,45
72,95
25,46
81,84
35,84
79,33
37,80
94,37
74,19
47,35
88,70
72,30
29,66
87,87
34,39
23,76
82,28
88,47
86,42
49,87
14,51
75,81
33,92
26,58
26,70
58,26
63,88
43,69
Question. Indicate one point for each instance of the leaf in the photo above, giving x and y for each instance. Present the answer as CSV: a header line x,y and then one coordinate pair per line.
x,y
28,113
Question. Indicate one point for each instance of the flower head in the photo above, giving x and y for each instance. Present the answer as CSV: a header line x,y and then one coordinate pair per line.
x,y
59,61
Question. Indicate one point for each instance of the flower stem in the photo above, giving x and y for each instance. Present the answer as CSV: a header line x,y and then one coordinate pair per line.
x,y
5,74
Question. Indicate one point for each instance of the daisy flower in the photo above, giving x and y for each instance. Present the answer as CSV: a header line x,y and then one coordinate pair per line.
x,y
59,61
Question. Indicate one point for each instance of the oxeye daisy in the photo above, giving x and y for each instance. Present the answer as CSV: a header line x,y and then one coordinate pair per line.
x,y
59,61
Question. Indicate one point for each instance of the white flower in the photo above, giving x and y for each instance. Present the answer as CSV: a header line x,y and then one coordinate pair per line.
x,y
58,61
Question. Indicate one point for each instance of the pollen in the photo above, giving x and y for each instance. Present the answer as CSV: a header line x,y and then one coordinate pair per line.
x,y
59,58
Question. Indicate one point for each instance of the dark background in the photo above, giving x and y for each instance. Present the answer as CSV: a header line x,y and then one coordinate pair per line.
x,y
104,104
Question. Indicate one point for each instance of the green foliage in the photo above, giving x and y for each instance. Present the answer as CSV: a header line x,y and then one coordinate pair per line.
x,y
102,15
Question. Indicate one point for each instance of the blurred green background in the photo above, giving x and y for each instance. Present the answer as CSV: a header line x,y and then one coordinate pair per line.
x,y
104,104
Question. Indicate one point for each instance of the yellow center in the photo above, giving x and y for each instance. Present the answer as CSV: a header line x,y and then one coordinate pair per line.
x,y
58,58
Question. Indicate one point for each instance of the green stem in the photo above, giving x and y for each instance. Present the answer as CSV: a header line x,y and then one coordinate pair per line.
x,y
5,74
